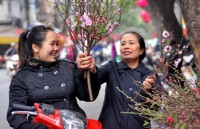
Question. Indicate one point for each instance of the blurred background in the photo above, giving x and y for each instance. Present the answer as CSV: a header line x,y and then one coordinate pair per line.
x,y
138,15
147,17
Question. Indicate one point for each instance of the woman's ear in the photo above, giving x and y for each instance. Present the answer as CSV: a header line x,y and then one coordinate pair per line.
x,y
35,48
142,51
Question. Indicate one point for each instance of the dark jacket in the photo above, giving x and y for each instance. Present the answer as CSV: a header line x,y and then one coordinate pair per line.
x,y
58,84
121,76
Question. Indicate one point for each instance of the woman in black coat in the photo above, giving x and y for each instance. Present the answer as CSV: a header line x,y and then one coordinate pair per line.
x,y
44,79
124,75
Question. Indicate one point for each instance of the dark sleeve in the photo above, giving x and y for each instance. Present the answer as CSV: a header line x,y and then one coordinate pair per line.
x,y
17,94
26,125
103,73
158,85
81,85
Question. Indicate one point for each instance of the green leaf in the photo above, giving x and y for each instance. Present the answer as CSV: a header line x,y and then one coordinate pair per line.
x,y
152,105
62,8
167,41
103,30
146,123
183,126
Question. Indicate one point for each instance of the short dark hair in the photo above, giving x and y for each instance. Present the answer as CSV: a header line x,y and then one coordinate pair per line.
x,y
141,42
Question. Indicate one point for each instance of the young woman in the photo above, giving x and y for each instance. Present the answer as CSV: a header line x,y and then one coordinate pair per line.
x,y
125,75
44,79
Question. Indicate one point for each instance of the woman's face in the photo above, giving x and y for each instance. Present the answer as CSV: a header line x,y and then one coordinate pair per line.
x,y
49,49
130,48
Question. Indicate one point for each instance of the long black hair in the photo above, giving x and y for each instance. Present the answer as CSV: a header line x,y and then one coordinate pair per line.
x,y
35,35
141,42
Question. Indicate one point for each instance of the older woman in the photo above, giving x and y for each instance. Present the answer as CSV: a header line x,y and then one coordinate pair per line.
x,y
124,75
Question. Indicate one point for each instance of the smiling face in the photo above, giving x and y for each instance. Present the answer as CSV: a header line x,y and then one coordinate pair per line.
x,y
49,49
130,48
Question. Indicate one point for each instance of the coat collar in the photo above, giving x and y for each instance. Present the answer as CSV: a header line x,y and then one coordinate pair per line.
x,y
122,66
38,63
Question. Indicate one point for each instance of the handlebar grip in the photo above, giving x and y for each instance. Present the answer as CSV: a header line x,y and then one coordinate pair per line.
x,y
22,107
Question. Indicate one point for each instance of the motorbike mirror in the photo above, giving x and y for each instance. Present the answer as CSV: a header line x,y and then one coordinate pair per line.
x,y
46,108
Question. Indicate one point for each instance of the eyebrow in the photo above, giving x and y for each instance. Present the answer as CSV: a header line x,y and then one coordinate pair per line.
x,y
129,40
53,41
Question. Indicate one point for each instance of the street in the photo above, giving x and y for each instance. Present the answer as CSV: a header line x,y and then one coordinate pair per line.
x,y
92,109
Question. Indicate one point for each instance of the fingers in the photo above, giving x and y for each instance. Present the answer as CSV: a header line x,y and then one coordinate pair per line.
x,y
149,82
82,58
151,79
93,66
147,86
85,61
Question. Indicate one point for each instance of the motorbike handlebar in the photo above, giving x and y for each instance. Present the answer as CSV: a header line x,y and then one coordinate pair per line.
x,y
24,113
20,107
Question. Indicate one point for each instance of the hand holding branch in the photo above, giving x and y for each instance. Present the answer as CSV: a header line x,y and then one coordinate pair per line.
x,y
149,82
85,61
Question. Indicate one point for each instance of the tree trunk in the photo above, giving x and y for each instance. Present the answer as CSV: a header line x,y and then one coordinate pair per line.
x,y
45,12
191,14
163,18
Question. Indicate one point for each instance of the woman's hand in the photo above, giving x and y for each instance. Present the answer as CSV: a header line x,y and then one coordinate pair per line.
x,y
149,82
85,61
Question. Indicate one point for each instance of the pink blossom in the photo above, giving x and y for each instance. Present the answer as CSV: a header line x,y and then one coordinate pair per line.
x,y
119,10
165,34
168,54
160,60
116,23
145,16
176,62
167,48
170,119
110,30
81,18
197,121
68,22
86,21
197,92
142,3
163,40
109,27
180,52
77,13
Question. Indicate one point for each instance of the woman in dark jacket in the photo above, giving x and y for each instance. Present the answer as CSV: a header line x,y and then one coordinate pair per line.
x,y
44,79
127,75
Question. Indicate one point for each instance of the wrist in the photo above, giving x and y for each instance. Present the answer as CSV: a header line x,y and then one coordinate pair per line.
x,y
93,70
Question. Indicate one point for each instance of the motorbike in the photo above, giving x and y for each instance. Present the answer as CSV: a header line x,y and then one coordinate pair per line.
x,y
11,64
56,119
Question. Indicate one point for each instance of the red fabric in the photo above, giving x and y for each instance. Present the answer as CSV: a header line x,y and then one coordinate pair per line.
x,y
94,124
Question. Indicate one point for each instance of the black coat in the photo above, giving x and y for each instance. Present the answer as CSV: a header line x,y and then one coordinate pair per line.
x,y
121,76
58,84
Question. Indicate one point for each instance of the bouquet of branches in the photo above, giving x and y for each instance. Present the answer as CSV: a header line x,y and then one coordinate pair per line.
x,y
177,104
88,22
